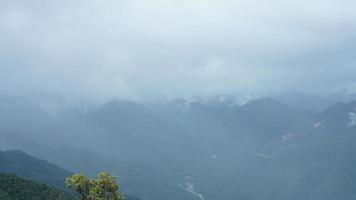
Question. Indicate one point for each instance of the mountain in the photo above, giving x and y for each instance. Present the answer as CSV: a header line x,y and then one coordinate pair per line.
x,y
268,118
26,166
341,113
15,188
195,150
315,102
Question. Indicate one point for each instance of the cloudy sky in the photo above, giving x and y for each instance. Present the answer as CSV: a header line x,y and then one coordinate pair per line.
x,y
143,48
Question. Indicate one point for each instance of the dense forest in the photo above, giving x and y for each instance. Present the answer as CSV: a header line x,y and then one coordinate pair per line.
x,y
15,188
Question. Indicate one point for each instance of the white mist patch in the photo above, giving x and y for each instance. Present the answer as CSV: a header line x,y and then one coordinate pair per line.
x,y
190,188
317,125
352,117
288,137
264,156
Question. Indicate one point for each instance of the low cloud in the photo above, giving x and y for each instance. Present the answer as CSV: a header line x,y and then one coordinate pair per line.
x,y
139,49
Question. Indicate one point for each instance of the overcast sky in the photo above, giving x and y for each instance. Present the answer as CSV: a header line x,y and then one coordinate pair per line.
x,y
143,48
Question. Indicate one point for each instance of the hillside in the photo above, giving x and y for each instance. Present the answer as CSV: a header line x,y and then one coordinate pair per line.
x,y
25,166
16,164
15,188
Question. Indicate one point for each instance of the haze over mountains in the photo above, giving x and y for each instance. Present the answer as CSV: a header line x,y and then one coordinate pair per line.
x,y
216,148
182,99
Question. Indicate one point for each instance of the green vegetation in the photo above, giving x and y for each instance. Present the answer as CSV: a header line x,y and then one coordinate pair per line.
x,y
15,188
17,169
28,167
104,187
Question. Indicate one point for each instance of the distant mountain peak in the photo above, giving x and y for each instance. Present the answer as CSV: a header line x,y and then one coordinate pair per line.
x,y
266,103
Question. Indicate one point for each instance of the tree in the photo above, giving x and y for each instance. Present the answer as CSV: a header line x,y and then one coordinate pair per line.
x,y
104,187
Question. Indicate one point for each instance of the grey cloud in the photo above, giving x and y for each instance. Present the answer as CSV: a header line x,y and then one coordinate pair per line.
x,y
138,48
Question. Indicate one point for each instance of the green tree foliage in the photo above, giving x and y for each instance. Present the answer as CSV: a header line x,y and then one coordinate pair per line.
x,y
103,187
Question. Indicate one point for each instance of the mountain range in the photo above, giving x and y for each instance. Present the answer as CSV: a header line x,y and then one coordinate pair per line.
x,y
263,149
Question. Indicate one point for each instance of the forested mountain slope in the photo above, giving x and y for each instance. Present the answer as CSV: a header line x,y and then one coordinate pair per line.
x,y
15,188
26,166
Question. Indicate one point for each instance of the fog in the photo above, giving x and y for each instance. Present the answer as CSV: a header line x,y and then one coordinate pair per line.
x,y
189,99
137,49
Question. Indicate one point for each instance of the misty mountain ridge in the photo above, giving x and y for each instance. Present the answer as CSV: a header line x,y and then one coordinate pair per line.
x,y
196,150
53,104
